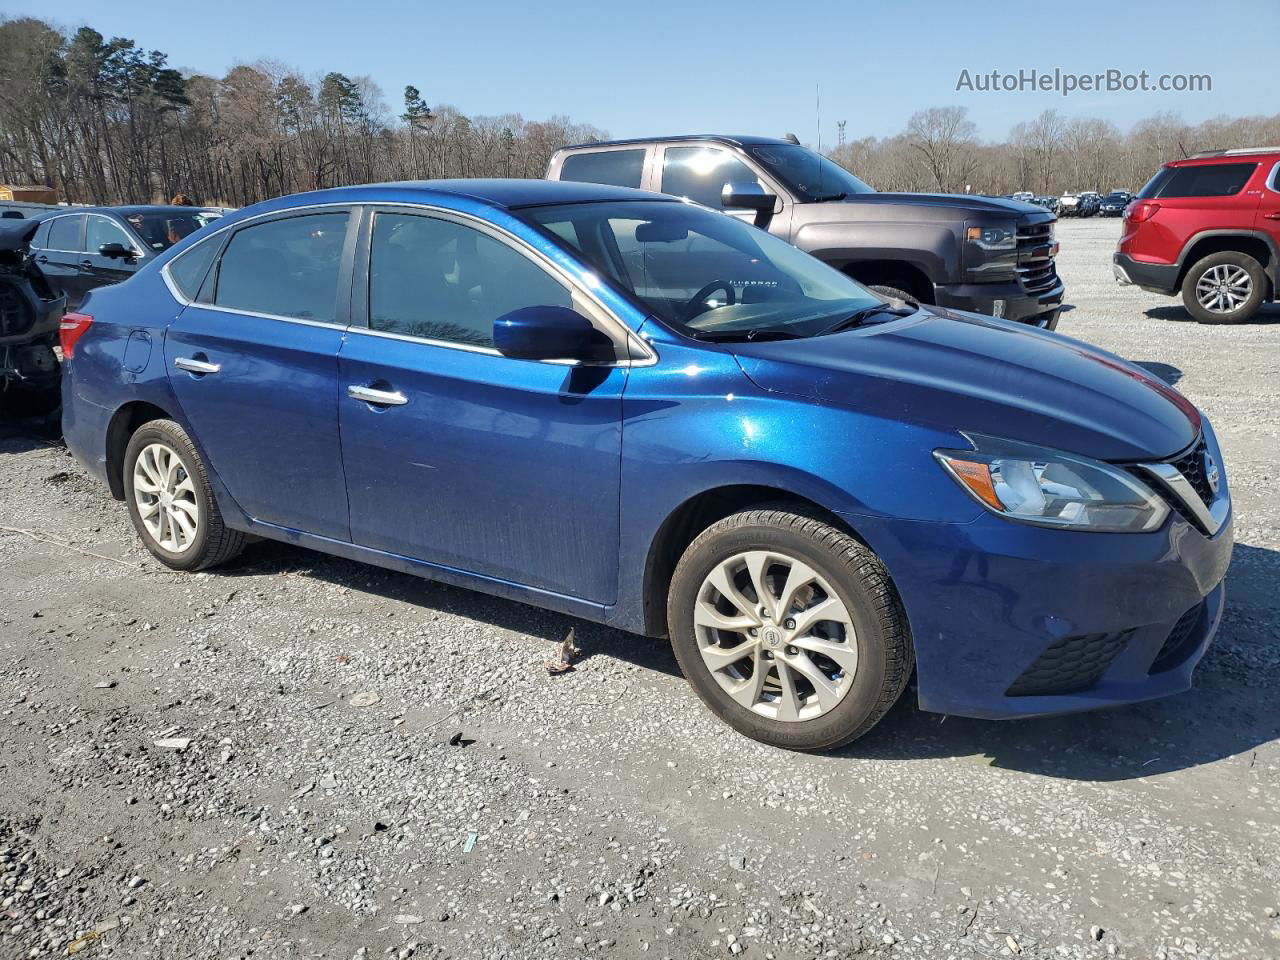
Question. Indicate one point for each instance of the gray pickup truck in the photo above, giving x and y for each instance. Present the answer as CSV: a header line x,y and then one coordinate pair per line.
x,y
982,254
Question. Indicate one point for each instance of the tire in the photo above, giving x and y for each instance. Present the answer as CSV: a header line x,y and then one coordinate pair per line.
x,y
196,536
1240,291
896,292
875,644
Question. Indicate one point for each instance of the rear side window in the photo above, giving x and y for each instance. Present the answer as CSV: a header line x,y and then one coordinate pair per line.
x,y
286,268
440,280
701,173
617,168
1214,180
64,234
188,270
41,240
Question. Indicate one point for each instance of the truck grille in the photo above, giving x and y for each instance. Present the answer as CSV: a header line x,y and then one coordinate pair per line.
x,y
1036,268
1070,665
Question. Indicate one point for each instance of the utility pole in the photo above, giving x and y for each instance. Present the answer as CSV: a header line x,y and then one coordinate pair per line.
x,y
840,131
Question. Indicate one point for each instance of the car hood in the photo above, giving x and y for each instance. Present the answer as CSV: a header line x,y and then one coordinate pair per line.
x,y
962,203
958,371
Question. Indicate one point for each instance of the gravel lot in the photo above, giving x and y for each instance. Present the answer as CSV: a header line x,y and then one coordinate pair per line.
x,y
309,795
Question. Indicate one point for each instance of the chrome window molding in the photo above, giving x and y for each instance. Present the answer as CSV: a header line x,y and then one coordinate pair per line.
x,y
624,337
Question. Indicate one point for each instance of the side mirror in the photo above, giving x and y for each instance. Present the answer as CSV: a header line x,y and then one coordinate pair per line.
x,y
116,251
749,196
551,333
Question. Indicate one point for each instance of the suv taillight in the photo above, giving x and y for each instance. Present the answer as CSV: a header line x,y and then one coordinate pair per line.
x,y
1141,210
73,327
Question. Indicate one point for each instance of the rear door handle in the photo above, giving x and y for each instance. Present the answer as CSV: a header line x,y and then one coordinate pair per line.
x,y
86,264
196,366
1272,216
380,398
42,259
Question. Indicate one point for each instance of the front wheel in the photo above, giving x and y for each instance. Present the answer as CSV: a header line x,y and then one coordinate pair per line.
x,y
788,629
170,503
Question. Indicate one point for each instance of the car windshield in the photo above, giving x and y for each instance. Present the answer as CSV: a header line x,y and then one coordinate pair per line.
x,y
811,175
162,229
707,275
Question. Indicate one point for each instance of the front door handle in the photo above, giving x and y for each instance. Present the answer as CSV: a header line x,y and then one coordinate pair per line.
x,y
380,398
196,366
1272,216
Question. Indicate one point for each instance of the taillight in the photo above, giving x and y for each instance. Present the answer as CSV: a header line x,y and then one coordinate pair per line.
x,y
1140,210
74,326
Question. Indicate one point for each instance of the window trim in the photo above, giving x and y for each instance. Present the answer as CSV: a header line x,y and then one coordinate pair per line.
x,y
128,233
174,290
638,351
64,216
1272,182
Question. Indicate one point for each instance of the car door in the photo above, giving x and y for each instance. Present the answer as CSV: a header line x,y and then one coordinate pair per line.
x,y
455,454
98,231
253,363
1269,207
62,260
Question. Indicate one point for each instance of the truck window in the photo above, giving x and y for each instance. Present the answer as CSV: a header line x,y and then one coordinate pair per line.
x,y
700,174
617,168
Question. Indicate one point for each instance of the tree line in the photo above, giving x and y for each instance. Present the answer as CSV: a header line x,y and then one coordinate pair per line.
x,y
104,121
939,150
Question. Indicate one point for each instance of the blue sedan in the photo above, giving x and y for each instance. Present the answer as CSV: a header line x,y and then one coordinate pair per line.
x,y
638,411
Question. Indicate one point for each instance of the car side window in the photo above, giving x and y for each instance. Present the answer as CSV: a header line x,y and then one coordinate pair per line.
x,y
617,168
64,234
100,230
701,173
286,268
441,280
1213,180
41,240
188,269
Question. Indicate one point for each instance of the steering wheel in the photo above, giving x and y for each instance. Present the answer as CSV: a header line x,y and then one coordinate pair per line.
x,y
701,297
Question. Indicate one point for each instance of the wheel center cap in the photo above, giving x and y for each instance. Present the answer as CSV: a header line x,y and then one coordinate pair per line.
x,y
772,637
166,500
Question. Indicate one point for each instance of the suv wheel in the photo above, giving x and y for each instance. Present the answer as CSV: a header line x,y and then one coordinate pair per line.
x,y
788,629
170,502
1224,287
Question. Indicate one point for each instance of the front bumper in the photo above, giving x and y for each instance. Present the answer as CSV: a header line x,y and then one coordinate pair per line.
x,y
1007,618
1153,277
1008,300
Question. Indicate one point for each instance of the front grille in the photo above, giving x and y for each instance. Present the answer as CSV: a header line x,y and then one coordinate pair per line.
x,y
1182,640
1191,466
1070,665
1035,257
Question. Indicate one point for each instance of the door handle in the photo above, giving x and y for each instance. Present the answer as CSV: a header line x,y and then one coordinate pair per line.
x,y
86,264
42,259
1272,216
380,398
196,366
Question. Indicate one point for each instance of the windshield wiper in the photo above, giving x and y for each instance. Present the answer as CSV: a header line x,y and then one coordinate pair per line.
x,y
754,336
859,317
825,197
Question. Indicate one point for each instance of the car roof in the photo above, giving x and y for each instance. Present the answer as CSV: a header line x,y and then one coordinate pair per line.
x,y
503,194
126,210
1260,155
735,140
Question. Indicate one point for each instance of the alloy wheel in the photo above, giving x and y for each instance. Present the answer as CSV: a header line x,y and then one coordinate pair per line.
x,y
775,636
165,497
1224,288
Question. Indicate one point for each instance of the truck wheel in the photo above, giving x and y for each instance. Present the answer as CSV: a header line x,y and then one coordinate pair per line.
x,y
788,629
1225,287
172,508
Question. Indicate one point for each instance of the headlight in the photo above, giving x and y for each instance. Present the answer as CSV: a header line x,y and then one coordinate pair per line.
x,y
993,238
1047,487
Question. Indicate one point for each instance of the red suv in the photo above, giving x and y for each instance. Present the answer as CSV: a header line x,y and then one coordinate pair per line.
x,y
1208,226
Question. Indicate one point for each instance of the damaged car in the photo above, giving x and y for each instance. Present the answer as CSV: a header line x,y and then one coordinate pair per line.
x,y
30,314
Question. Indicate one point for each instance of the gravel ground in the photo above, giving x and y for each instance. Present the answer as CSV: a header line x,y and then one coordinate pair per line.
x,y
303,757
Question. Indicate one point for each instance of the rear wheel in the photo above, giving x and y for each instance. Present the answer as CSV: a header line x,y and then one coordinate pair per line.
x,y
1225,287
788,629
172,508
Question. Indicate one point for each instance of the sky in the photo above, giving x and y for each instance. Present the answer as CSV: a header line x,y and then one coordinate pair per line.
x,y
647,69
